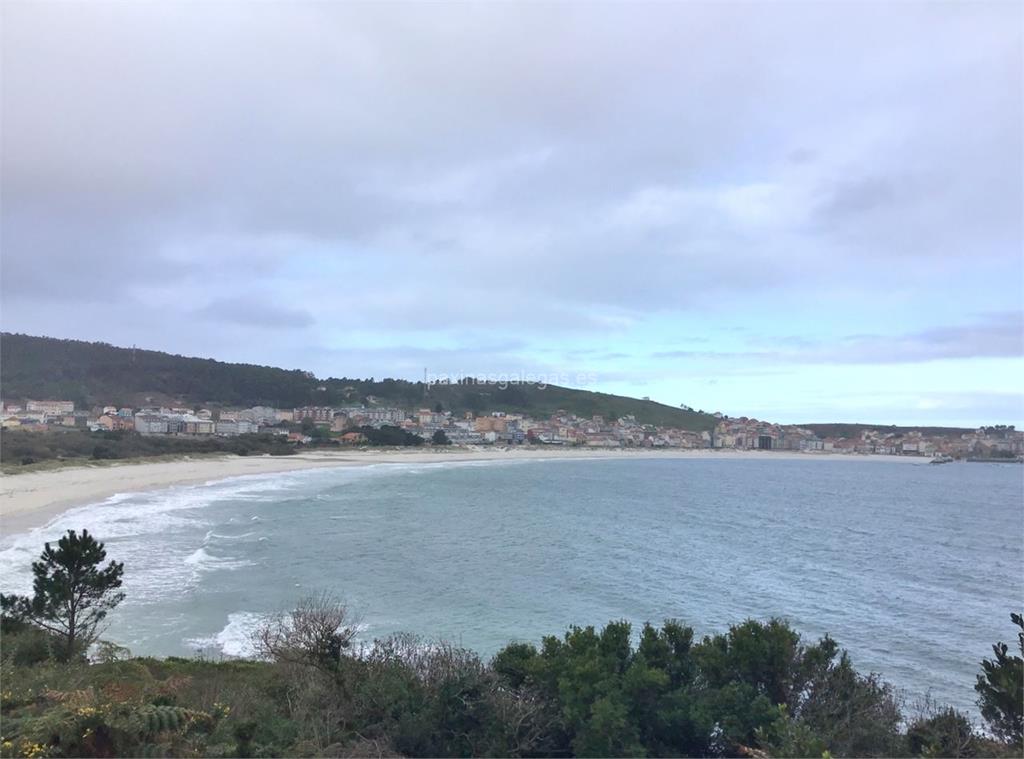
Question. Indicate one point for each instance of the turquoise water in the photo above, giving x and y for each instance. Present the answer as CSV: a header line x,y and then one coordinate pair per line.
x,y
913,568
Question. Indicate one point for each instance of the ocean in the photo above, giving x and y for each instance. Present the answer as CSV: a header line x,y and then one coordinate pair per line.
x,y
913,568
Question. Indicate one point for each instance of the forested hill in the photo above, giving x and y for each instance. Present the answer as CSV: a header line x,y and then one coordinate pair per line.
x,y
100,374
852,431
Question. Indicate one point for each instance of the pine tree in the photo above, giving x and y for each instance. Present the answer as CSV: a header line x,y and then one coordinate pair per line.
x,y
1001,689
72,593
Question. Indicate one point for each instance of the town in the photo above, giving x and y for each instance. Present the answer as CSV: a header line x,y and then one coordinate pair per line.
x,y
310,425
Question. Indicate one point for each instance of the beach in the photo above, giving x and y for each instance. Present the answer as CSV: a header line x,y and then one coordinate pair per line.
x,y
33,498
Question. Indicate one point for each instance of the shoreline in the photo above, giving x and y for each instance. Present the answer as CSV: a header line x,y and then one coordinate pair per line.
x,y
32,499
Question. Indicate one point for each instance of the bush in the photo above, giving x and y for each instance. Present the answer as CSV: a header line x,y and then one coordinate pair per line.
x,y
24,644
104,451
317,632
31,447
1000,689
944,732
588,692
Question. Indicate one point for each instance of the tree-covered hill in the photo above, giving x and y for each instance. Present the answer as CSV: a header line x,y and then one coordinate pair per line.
x,y
850,431
101,374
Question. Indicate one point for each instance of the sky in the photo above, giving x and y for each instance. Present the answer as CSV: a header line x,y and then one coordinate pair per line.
x,y
800,212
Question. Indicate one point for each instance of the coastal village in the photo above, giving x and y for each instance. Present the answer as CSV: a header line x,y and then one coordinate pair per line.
x,y
315,424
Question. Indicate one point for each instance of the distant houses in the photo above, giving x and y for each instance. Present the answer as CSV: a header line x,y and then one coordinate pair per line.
x,y
344,425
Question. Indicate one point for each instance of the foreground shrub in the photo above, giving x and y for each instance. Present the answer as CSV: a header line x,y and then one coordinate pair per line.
x,y
755,690
1000,689
945,732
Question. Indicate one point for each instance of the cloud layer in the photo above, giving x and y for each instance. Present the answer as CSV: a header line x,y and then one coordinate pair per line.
x,y
326,184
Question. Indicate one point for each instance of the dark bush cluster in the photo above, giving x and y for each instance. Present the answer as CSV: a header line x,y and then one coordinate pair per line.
x,y
756,690
32,447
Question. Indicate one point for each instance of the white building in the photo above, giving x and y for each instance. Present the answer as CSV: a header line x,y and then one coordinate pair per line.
x,y
151,424
51,408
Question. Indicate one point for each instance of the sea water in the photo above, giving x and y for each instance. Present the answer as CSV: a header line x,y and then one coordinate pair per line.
x,y
912,568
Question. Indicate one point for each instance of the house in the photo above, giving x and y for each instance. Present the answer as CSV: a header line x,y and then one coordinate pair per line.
x,y
490,424
151,424
112,422
353,438
602,441
51,408
319,414
231,427
193,425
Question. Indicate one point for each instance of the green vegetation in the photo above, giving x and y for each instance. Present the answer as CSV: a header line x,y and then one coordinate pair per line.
x,y
1001,689
756,690
22,448
93,374
388,435
71,593
850,431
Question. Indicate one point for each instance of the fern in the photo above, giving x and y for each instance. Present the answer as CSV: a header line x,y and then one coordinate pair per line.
x,y
151,720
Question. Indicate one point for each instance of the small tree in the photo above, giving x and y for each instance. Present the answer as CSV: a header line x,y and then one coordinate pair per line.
x,y
72,593
1001,689
440,438
317,632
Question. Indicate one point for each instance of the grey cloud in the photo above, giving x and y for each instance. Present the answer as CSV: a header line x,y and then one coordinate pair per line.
x,y
254,311
531,169
999,336
959,409
854,197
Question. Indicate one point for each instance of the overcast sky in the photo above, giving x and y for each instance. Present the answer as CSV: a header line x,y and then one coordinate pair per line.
x,y
799,212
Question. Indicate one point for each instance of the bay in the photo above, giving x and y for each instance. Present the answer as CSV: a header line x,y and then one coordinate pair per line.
x,y
913,568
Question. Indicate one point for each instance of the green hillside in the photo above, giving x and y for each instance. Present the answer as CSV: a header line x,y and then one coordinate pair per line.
x,y
100,374
840,429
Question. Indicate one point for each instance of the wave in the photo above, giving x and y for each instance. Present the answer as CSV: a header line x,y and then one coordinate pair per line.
x,y
202,561
211,535
235,639
129,523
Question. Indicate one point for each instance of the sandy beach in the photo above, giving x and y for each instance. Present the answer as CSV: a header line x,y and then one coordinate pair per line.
x,y
33,498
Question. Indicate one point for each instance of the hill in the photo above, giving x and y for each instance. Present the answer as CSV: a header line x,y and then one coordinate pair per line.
x,y
93,374
850,431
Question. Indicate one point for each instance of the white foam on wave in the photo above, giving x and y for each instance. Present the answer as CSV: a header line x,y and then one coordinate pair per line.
x,y
126,522
202,560
126,516
211,535
235,639
120,518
